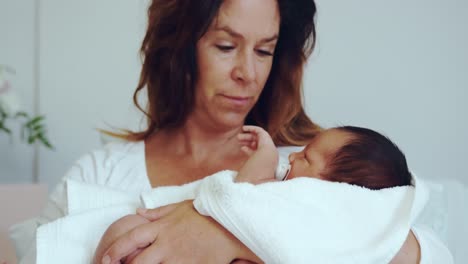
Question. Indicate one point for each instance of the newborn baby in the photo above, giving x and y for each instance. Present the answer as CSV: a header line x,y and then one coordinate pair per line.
x,y
347,154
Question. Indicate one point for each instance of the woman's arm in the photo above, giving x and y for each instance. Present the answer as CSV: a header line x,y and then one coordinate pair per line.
x,y
410,252
422,246
432,248
178,234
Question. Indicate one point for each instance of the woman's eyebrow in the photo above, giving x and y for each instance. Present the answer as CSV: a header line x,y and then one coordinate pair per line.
x,y
230,31
238,35
269,39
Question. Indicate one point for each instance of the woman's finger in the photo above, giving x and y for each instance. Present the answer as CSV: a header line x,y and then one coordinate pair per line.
x,y
155,214
151,255
132,256
138,238
241,261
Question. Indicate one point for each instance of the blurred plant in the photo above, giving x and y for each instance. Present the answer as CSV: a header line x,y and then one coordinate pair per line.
x,y
32,127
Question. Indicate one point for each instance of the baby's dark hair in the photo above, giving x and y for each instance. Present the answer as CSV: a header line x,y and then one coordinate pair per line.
x,y
368,159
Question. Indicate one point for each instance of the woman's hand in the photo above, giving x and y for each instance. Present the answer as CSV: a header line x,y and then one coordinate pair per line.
x,y
178,234
114,231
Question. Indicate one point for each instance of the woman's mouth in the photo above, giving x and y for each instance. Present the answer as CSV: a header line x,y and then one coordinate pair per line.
x,y
238,101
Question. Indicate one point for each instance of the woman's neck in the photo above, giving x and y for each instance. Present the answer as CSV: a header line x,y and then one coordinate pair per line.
x,y
199,142
191,152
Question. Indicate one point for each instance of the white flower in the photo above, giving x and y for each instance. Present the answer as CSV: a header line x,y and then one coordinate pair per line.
x,y
9,102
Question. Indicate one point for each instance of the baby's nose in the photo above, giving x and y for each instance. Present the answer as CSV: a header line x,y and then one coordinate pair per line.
x,y
292,156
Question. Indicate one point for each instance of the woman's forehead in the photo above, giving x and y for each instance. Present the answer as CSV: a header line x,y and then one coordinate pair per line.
x,y
248,16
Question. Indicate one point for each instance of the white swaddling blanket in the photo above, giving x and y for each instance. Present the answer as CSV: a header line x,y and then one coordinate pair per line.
x,y
347,224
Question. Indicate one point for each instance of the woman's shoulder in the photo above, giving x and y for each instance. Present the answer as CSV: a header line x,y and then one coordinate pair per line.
x,y
116,152
116,162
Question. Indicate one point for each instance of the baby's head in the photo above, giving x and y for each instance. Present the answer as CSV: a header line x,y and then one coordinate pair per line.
x,y
353,155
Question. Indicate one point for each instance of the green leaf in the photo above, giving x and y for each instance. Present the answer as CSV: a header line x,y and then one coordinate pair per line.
x,y
38,127
3,114
31,140
21,114
35,120
32,129
45,141
3,128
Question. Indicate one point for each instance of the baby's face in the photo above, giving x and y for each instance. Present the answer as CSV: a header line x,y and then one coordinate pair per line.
x,y
312,160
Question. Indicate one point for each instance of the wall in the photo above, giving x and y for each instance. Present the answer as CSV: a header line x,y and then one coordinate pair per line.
x,y
89,69
399,67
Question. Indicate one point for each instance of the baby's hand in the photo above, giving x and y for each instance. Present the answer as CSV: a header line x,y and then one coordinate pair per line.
x,y
263,156
255,138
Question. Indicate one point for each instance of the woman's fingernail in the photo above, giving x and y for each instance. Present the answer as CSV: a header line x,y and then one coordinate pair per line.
x,y
141,211
106,259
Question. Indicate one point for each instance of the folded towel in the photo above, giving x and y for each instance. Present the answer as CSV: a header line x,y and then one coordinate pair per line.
x,y
345,223
348,224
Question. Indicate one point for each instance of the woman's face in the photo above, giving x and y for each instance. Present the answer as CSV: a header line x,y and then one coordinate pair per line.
x,y
234,60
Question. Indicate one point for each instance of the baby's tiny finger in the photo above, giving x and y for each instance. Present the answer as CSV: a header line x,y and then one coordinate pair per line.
x,y
245,137
247,150
251,129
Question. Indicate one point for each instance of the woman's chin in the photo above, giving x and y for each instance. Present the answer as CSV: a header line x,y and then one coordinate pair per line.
x,y
226,120
233,121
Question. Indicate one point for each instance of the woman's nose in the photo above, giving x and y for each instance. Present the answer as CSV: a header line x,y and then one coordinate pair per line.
x,y
245,69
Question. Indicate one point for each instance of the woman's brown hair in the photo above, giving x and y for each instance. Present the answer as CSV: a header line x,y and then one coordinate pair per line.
x,y
169,68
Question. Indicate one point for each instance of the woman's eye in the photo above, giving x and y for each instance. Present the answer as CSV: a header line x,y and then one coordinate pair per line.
x,y
264,53
225,48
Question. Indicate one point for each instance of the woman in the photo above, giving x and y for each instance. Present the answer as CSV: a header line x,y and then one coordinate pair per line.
x,y
246,67
210,67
